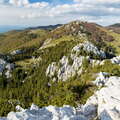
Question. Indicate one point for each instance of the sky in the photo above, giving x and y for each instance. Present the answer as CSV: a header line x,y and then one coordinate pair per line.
x,y
25,13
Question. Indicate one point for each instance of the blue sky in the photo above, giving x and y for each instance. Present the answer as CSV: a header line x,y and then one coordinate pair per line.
x,y
54,1
25,13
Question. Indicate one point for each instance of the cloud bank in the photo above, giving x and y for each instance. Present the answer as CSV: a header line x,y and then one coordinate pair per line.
x,y
23,12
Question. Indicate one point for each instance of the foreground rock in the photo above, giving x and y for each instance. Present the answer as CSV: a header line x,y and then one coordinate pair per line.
x,y
46,113
103,105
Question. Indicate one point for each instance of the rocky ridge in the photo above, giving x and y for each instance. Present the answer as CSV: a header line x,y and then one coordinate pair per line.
x,y
66,69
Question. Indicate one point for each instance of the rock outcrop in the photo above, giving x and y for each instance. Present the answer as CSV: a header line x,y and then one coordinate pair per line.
x,y
72,65
46,113
16,52
105,103
116,60
89,48
63,70
6,68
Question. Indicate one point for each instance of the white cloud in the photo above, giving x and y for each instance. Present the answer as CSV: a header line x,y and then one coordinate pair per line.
x,y
38,5
19,2
22,12
26,3
97,1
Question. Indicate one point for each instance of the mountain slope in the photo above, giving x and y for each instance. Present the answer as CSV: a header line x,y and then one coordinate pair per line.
x,y
58,71
18,39
115,28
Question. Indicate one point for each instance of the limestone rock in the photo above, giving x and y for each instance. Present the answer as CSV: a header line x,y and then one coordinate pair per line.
x,y
64,70
89,47
6,66
106,100
16,52
47,113
116,60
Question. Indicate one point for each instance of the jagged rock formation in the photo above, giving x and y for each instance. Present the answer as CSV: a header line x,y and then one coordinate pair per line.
x,y
78,63
90,48
65,70
101,79
72,65
107,99
6,67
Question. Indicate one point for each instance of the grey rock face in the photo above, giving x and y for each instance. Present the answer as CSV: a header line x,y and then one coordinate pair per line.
x,y
65,69
52,68
116,60
16,52
105,103
7,67
89,47
101,79
2,65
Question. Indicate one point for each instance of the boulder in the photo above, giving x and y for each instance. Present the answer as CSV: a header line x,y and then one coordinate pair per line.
x,y
116,60
16,52
106,101
6,66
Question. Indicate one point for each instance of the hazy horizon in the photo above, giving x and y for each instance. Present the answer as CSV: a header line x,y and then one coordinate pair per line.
x,y
7,28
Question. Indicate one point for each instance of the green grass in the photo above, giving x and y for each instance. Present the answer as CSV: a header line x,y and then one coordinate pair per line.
x,y
18,39
116,42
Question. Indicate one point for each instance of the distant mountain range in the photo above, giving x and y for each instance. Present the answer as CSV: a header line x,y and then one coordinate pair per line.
x,y
49,27
114,28
9,28
115,25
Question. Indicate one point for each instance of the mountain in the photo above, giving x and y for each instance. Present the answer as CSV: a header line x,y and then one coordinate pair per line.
x,y
114,27
4,28
62,66
49,27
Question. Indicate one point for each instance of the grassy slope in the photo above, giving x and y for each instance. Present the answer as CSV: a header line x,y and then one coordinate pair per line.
x,y
116,42
18,39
